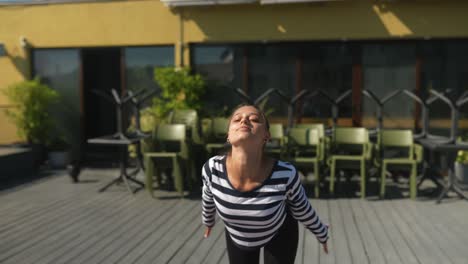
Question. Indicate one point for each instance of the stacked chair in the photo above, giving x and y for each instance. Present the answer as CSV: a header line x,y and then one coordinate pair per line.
x,y
303,149
275,146
214,134
351,149
170,145
396,149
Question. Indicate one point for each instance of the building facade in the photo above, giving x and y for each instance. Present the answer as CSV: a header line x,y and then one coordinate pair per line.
x,y
336,46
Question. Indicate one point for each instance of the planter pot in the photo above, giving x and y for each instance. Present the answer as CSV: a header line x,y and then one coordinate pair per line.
x,y
461,172
39,154
58,159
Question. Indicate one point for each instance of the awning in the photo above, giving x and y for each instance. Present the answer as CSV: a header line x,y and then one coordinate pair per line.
x,y
175,3
268,2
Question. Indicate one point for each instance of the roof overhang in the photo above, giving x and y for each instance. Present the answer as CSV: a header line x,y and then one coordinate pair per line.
x,y
176,3
268,2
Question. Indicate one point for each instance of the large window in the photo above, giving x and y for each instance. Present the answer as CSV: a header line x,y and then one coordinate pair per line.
x,y
59,68
337,67
445,69
221,67
140,63
326,66
386,68
272,67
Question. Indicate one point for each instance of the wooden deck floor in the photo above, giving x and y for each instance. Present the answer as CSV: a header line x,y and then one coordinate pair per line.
x,y
55,221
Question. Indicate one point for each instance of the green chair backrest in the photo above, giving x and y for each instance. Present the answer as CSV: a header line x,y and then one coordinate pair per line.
x,y
320,127
351,135
219,127
396,139
171,138
188,117
303,137
276,132
170,132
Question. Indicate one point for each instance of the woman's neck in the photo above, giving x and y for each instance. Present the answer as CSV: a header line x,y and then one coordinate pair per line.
x,y
246,165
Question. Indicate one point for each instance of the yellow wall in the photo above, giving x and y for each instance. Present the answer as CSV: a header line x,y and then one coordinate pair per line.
x,y
357,19
149,22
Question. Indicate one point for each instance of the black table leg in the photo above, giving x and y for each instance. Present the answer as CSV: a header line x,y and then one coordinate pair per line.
x,y
451,186
124,177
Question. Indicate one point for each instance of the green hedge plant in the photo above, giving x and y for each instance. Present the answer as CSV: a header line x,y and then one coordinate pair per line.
x,y
179,90
30,114
462,155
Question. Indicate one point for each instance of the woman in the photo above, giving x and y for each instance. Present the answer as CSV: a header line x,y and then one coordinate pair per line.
x,y
259,199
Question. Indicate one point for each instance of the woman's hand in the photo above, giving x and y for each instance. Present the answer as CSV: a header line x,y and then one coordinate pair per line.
x,y
325,247
207,232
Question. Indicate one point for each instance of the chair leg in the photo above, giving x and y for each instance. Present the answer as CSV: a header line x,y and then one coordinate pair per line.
x,y
413,182
363,179
178,177
317,179
383,172
149,174
332,176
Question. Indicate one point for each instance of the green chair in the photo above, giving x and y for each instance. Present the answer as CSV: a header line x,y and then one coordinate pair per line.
x,y
189,118
275,146
304,151
351,149
216,136
170,144
397,149
324,140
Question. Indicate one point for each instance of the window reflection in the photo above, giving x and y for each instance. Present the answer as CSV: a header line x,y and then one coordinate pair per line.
x,y
389,67
220,65
140,63
59,68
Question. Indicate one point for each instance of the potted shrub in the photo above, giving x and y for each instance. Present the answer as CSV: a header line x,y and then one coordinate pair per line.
x,y
31,100
461,164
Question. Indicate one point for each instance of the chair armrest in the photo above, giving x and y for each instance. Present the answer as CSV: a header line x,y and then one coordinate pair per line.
x,y
418,152
368,148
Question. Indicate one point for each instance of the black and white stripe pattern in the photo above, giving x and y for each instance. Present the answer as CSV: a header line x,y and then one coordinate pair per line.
x,y
253,218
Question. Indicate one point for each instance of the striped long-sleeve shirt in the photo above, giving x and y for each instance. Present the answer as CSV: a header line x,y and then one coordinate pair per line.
x,y
253,218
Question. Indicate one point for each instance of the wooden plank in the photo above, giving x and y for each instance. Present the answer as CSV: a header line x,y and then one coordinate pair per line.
x,y
419,248
300,245
40,216
48,243
93,250
194,228
118,243
354,239
204,248
182,222
341,248
142,231
150,242
392,231
217,251
437,242
325,216
34,234
67,246
383,241
225,258
455,245
371,248
311,246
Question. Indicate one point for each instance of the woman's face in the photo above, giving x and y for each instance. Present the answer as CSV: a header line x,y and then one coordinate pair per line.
x,y
247,125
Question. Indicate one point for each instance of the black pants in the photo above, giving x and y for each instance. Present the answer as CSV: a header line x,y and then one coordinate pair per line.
x,y
280,250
